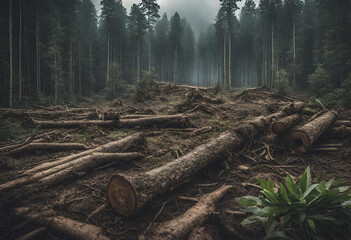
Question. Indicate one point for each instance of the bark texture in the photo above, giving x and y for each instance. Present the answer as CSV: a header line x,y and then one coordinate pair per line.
x,y
48,147
68,170
117,146
76,123
301,139
181,226
67,227
281,126
127,194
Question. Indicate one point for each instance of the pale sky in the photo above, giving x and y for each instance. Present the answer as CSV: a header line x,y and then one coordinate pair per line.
x,y
199,13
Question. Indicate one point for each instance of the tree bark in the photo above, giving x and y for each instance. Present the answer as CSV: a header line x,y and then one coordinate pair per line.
x,y
48,147
68,227
116,146
127,194
10,48
178,120
281,126
68,170
37,39
20,53
181,226
301,139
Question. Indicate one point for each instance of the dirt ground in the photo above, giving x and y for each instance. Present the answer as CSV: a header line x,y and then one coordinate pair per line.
x,y
78,198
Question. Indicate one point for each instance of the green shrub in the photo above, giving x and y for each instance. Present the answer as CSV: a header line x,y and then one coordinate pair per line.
x,y
302,210
115,80
282,82
319,82
143,86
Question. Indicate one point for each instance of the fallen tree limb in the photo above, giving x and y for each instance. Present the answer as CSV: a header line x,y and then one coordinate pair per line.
x,y
339,132
339,123
127,194
33,234
178,120
301,139
48,147
181,226
68,170
116,146
65,226
75,123
281,126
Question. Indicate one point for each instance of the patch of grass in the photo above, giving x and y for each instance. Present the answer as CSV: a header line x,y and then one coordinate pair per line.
x,y
221,126
117,134
11,129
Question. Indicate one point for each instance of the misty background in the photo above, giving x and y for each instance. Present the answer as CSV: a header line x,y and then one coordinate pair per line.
x,y
199,13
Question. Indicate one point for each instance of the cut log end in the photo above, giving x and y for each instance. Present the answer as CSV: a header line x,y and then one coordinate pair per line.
x,y
278,128
298,142
122,196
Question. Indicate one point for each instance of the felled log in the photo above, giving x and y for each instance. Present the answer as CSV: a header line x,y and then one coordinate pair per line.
x,y
178,120
33,234
48,147
64,226
127,194
75,123
346,123
301,139
68,170
281,126
131,116
181,226
116,146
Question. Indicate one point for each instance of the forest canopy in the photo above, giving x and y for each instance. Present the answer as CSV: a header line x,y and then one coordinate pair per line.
x,y
52,51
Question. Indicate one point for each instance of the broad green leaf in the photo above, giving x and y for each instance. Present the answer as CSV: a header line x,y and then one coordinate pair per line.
x,y
253,219
320,103
248,201
309,190
311,224
271,196
347,204
329,183
323,218
271,211
276,235
292,188
305,179
316,180
265,185
343,189
339,182
284,194
302,217
253,210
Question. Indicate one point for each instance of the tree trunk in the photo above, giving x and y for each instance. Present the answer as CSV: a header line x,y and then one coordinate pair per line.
x,y
294,49
301,139
20,54
67,227
71,78
67,170
149,43
127,194
230,61
224,64
138,61
56,80
108,60
10,48
272,79
91,64
281,126
175,64
116,146
181,226
48,147
37,39
79,69
72,169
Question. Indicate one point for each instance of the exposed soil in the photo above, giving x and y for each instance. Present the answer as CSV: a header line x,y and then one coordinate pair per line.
x,y
78,198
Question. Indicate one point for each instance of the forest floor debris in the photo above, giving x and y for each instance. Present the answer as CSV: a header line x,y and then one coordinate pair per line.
x,y
211,112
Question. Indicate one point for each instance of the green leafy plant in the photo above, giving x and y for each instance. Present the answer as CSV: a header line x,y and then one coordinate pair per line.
x,y
301,210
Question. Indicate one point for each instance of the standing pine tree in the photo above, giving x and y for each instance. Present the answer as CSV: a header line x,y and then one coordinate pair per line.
x,y
150,8
174,35
229,7
137,27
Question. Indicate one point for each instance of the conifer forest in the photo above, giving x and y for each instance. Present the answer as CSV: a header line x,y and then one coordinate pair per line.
x,y
175,119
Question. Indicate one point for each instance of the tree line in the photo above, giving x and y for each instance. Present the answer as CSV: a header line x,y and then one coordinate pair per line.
x,y
58,49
